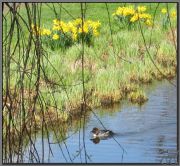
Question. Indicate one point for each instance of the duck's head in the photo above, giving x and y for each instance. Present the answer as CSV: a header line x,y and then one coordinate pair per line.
x,y
95,130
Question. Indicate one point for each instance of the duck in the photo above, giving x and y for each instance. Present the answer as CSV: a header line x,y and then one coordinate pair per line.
x,y
97,133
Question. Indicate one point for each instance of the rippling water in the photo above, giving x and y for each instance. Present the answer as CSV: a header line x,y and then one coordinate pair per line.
x,y
148,134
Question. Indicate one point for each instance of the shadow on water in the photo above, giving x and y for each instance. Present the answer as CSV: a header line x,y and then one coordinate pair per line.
x,y
148,134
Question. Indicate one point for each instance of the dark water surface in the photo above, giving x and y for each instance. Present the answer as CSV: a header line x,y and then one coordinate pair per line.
x,y
148,134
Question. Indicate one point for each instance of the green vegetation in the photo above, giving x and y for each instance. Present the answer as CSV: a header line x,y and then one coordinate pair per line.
x,y
114,66
137,97
63,35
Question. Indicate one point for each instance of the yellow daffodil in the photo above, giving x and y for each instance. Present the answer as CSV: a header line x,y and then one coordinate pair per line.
x,y
48,32
141,9
128,11
56,27
65,28
85,28
70,25
145,16
148,22
55,22
95,32
164,10
95,25
45,32
134,18
77,21
124,11
173,14
74,36
55,37
119,11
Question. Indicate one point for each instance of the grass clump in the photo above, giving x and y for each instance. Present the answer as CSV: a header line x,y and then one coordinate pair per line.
x,y
110,98
157,75
128,88
166,60
169,73
106,100
138,97
145,78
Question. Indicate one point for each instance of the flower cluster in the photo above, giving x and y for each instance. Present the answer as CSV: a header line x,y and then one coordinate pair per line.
x,y
131,15
124,11
65,34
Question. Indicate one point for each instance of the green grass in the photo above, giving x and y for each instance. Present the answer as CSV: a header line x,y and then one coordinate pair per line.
x,y
105,68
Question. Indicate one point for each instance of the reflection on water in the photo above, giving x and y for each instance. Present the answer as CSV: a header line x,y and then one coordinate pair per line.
x,y
145,134
95,140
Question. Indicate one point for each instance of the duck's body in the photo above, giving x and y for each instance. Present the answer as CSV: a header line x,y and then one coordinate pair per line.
x,y
101,133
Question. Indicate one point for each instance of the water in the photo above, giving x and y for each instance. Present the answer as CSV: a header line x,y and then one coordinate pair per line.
x,y
148,134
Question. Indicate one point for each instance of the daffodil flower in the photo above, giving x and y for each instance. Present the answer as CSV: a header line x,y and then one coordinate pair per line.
x,y
55,37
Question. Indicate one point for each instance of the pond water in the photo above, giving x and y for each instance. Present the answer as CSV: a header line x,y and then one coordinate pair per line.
x,y
146,134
